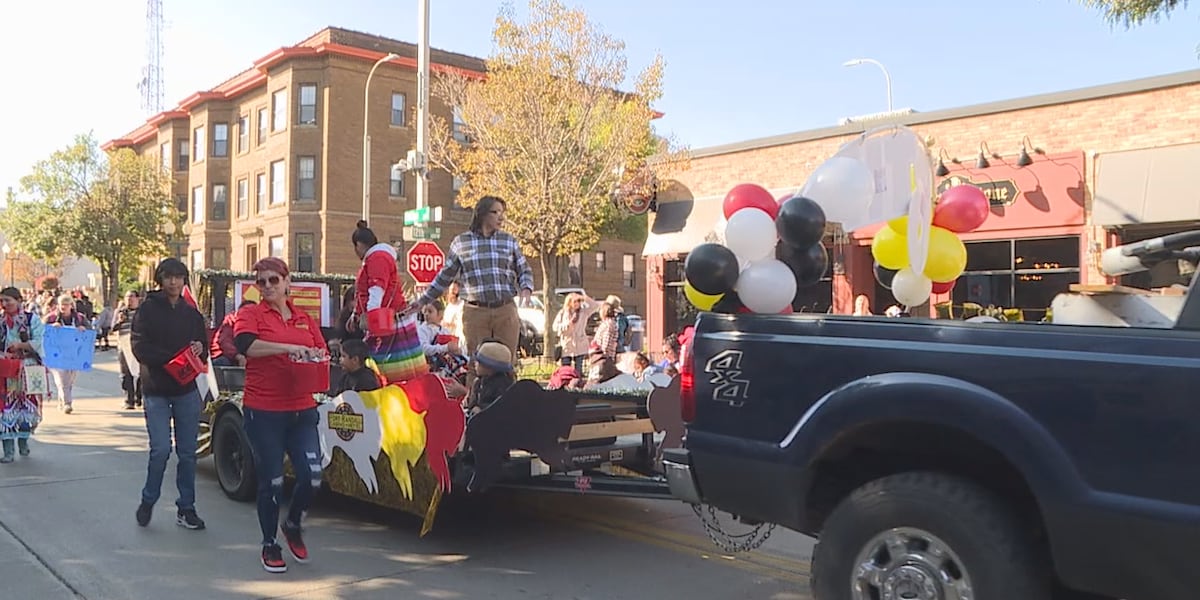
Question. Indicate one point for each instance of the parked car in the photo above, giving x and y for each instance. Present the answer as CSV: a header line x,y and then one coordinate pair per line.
x,y
951,459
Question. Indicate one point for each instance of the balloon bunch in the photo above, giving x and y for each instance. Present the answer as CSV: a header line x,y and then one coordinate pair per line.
x,y
960,209
772,248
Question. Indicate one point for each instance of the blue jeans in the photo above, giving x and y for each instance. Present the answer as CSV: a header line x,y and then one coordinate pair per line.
x,y
273,433
184,412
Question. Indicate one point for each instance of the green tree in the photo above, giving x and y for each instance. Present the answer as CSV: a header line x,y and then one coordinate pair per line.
x,y
109,207
1134,12
548,131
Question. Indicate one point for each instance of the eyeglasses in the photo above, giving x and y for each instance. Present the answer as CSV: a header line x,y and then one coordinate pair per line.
x,y
273,280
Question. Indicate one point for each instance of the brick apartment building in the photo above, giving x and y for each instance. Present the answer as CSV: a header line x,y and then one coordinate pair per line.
x,y
269,162
1106,165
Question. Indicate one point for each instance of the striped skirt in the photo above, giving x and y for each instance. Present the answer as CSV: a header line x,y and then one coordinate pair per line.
x,y
399,357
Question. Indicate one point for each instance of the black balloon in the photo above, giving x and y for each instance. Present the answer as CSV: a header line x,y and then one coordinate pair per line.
x,y
712,269
807,264
730,303
801,222
884,276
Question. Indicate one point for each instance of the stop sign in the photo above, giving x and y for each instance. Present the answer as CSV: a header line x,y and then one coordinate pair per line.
x,y
425,259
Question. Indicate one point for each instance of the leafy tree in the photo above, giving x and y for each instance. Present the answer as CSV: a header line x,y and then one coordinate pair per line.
x,y
1134,12
108,207
548,130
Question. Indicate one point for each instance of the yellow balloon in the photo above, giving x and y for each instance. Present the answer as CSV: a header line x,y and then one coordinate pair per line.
x,y
899,225
890,249
699,300
947,255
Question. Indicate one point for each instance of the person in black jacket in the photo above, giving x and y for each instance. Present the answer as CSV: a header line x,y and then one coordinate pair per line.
x,y
165,326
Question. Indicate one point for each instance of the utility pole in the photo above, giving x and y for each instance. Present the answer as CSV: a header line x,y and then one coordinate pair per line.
x,y
422,102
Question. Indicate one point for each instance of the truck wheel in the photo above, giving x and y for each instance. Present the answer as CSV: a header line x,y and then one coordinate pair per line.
x,y
233,458
926,536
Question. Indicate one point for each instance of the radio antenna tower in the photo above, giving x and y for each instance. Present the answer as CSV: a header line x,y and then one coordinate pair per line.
x,y
151,85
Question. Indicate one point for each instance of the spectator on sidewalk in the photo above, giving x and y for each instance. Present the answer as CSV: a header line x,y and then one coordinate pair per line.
x,y
130,381
224,352
163,328
66,315
104,322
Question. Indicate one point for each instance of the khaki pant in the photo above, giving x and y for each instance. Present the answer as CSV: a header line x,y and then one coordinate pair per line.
x,y
500,323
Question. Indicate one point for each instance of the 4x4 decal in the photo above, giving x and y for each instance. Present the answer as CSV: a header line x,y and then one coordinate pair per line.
x,y
725,374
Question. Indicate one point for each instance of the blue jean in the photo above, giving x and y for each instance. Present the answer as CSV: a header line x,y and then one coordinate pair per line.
x,y
273,433
161,412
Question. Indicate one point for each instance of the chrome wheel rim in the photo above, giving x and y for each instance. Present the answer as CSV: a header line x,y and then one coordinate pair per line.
x,y
907,563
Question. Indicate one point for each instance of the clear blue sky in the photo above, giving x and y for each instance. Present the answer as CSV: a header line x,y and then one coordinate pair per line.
x,y
735,71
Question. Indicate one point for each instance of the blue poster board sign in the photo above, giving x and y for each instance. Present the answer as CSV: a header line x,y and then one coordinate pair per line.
x,y
68,348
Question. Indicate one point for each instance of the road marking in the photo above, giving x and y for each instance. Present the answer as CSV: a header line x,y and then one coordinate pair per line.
x,y
791,569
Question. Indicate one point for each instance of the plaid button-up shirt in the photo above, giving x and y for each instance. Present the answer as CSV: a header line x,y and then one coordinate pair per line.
x,y
490,270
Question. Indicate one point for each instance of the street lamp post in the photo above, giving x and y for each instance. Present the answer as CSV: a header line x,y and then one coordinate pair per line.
x,y
366,152
886,77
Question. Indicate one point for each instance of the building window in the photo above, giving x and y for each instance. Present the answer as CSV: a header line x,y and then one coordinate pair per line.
x,y
220,258
243,133
220,147
275,246
575,269
262,127
456,184
628,273
601,261
197,259
198,144
278,181
181,161
260,193
396,185
251,255
304,252
164,155
220,202
308,104
459,127
1020,275
198,204
181,205
279,110
306,167
243,197
398,109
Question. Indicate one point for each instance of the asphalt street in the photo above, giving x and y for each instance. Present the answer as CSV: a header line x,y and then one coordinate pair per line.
x,y
67,530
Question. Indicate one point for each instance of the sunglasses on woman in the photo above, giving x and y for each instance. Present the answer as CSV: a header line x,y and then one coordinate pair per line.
x,y
273,280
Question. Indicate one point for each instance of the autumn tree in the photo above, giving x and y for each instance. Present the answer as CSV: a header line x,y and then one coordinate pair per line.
x,y
1134,12
549,130
109,207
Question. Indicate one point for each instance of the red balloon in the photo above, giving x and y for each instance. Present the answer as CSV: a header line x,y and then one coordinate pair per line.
x,y
750,195
942,287
961,209
787,311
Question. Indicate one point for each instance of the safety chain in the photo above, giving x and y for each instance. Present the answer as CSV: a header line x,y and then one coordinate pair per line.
x,y
743,542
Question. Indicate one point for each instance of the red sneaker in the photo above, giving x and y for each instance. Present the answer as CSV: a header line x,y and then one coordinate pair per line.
x,y
272,559
295,543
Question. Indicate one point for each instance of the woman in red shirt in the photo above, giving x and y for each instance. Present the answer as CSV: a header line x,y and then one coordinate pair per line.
x,y
280,412
398,355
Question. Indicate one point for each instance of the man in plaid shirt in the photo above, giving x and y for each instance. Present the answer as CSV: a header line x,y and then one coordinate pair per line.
x,y
491,272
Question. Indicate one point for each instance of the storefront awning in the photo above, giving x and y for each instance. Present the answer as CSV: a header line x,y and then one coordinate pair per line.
x,y
682,225
1154,185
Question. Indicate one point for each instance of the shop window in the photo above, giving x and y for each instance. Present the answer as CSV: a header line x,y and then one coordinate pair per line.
x,y
1035,271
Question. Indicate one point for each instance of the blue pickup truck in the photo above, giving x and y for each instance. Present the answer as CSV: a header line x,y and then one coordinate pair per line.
x,y
939,459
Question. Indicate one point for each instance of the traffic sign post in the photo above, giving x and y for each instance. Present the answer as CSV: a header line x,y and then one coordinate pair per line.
x,y
425,260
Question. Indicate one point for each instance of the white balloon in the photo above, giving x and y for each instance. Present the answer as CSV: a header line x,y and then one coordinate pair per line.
x,y
767,286
750,233
910,288
844,188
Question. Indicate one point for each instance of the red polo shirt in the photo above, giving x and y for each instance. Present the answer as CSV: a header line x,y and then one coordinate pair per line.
x,y
267,377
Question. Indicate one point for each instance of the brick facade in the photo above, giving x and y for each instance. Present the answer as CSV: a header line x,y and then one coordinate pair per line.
x,y
1148,113
336,63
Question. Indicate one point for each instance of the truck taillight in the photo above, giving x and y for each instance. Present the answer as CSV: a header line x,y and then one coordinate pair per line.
x,y
687,386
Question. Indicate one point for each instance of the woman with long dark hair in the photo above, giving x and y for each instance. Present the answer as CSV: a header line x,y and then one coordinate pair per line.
x,y
397,354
